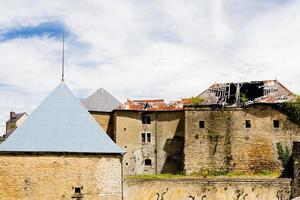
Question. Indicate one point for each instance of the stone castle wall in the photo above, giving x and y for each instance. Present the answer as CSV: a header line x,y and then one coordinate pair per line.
x,y
105,120
208,189
225,143
165,150
38,177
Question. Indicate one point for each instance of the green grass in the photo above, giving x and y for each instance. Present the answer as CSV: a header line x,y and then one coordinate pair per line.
x,y
211,174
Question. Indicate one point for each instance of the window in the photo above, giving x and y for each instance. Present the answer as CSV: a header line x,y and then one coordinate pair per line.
x,y
146,119
201,124
148,162
146,137
248,124
276,124
77,190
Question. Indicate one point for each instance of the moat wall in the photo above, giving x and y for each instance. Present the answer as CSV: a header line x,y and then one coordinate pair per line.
x,y
207,189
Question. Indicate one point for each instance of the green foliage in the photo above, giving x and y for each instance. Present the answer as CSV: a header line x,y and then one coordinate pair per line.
x,y
244,98
197,100
291,109
283,154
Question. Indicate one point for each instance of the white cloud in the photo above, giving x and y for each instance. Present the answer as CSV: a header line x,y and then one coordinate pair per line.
x,y
151,49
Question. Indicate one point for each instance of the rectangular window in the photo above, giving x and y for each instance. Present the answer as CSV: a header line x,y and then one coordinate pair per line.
x,y
143,137
201,124
248,123
276,124
149,137
146,137
146,119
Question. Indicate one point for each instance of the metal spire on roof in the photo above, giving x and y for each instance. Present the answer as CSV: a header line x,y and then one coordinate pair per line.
x,y
63,59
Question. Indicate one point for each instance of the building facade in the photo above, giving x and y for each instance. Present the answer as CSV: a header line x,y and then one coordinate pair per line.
x,y
15,120
244,139
153,140
60,152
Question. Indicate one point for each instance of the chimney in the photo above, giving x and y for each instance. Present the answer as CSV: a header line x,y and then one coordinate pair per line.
x,y
12,115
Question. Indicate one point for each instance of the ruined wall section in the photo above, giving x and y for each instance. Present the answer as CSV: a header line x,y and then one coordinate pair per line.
x,y
208,189
38,177
165,150
105,120
226,144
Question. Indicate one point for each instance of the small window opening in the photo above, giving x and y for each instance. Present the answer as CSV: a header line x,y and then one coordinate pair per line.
x,y
201,124
148,137
148,162
143,137
276,124
77,190
127,163
146,119
248,123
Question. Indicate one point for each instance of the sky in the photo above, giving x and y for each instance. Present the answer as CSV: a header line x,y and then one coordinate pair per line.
x,y
143,49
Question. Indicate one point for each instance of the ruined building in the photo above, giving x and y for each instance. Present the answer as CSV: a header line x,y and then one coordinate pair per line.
x,y
60,152
245,93
237,126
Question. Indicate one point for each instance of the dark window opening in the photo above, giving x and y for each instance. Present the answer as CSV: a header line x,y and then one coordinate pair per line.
x,y
146,119
148,137
201,124
276,124
143,137
248,124
77,190
126,163
148,162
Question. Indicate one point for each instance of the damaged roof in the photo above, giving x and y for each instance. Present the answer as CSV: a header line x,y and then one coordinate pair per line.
x,y
101,101
60,124
151,105
244,93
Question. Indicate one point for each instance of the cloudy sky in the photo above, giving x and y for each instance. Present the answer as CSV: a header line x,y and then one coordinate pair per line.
x,y
143,49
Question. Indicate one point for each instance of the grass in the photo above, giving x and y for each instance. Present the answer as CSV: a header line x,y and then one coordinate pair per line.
x,y
211,174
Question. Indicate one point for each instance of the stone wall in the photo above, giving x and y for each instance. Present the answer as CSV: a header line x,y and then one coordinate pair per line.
x,y
225,143
56,176
105,120
296,167
165,150
207,189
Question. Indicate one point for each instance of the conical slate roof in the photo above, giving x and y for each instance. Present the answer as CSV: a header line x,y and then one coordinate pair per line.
x,y
60,124
101,101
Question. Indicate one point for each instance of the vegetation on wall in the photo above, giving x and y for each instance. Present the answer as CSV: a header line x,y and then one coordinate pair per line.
x,y
197,100
291,109
284,155
244,98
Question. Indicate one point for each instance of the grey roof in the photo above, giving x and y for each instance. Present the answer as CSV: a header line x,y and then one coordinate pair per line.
x,y
101,101
60,124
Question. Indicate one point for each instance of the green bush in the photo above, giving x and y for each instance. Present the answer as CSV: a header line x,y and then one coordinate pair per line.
x,y
197,100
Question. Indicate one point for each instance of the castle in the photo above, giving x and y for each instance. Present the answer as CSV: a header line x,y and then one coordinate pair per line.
x,y
61,152
234,127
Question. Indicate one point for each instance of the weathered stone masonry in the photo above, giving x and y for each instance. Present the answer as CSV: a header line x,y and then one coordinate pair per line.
x,y
226,143
165,145
55,176
207,189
